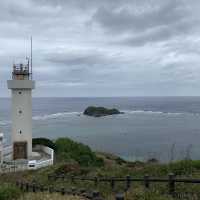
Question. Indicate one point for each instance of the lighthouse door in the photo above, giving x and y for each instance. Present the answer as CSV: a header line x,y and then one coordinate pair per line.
x,y
20,150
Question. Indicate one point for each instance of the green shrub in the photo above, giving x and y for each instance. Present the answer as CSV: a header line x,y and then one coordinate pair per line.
x,y
195,164
67,149
9,192
183,167
44,141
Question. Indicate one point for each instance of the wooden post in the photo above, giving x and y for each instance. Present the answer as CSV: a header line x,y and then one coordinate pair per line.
x,y
21,186
171,184
128,182
63,177
63,191
73,189
146,181
95,194
72,179
112,184
37,187
27,187
41,188
95,181
17,183
119,197
34,187
50,189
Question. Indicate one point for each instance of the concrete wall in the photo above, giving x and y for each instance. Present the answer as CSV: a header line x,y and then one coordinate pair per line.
x,y
43,148
42,163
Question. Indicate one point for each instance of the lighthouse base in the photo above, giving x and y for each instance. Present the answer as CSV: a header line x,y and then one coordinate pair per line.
x,y
42,156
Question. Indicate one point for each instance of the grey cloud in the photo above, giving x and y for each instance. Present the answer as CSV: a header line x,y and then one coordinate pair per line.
x,y
93,47
123,20
86,4
188,46
163,33
84,58
166,20
25,10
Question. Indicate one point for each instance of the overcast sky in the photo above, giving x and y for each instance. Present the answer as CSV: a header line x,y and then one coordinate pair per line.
x,y
104,47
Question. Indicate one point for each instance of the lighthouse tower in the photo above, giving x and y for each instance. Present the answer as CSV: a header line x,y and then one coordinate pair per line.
x,y
21,87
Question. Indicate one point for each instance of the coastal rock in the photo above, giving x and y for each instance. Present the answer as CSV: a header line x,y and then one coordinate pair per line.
x,y
100,111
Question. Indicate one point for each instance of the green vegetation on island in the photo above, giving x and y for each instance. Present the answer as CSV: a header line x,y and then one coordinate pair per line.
x,y
100,111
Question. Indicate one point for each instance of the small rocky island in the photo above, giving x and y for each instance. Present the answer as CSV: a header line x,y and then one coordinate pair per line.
x,y
100,111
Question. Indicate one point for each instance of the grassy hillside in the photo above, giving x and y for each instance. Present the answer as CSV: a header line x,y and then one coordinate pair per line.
x,y
79,160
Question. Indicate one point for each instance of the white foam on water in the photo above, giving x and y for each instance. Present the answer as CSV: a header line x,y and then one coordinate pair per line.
x,y
65,114
151,112
55,115
4,123
45,117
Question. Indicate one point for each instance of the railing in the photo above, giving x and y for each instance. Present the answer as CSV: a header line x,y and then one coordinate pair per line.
x,y
171,181
44,163
20,68
21,72
12,168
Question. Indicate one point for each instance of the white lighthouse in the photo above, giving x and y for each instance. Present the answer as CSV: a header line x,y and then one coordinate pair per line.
x,y
21,87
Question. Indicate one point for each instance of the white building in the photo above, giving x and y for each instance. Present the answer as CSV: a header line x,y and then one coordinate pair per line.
x,y
21,87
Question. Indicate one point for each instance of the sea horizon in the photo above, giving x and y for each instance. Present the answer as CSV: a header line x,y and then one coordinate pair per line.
x,y
143,96
149,128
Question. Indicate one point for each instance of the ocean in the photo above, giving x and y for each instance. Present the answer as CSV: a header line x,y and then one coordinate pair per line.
x,y
165,128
